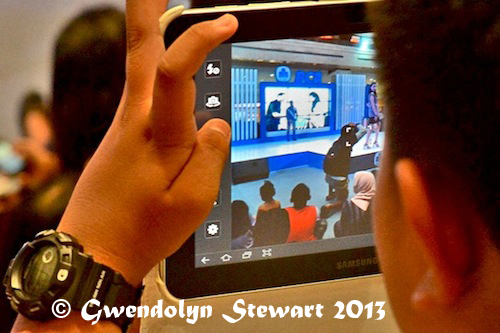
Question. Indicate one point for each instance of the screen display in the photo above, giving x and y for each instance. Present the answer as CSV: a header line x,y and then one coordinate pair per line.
x,y
10,162
39,271
307,134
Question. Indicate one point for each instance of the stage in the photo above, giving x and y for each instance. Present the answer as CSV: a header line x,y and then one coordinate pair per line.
x,y
318,145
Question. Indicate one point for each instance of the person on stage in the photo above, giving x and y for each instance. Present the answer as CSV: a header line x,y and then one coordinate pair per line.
x,y
291,117
272,122
314,100
374,119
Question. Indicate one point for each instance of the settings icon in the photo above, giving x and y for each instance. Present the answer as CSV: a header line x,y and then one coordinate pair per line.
x,y
212,229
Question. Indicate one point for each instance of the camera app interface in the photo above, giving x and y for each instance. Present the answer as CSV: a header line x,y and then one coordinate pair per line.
x,y
307,124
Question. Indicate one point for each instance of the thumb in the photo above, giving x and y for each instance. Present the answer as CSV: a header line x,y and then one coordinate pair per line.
x,y
197,185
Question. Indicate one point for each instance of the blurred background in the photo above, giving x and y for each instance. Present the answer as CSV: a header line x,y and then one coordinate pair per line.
x,y
42,165
28,30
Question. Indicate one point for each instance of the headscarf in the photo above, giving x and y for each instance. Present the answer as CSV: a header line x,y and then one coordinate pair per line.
x,y
364,187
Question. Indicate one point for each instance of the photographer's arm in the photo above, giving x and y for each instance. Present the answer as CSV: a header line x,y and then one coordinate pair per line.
x,y
154,177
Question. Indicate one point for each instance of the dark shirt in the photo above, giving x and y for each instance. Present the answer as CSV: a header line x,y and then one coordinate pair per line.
x,y
291,114
39,210
353,221
271,227
338,158
274,107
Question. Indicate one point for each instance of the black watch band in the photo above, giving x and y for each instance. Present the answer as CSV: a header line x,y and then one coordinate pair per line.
x,y
75,277
110,289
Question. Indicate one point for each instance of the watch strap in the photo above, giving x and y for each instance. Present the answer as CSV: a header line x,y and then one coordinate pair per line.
x,y
109,288
100,282
119,294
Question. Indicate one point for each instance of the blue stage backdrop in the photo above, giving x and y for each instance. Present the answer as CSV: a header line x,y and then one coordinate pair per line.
x,y
259,109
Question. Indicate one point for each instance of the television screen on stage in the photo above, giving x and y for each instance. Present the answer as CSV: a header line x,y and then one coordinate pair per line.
x,y
293,108
307,134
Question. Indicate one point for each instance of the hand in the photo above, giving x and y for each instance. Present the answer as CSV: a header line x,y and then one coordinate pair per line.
x,y
154,177
41,164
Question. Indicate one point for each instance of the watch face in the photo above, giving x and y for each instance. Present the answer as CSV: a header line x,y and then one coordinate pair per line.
x,y
39,271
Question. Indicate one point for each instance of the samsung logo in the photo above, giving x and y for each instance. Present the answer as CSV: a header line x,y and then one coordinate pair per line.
x,y
357,263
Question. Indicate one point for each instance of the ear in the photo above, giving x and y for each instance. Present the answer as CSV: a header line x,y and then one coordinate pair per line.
x,y
442,233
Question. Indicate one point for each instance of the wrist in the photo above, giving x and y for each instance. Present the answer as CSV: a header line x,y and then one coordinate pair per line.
x,y
108,249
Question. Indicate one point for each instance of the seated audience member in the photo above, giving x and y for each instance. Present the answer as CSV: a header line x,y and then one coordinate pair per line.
x,y
337,162
267,192
241,226
88,66
302,217
34,120
439,252
272,227
88,80
37,143
356,212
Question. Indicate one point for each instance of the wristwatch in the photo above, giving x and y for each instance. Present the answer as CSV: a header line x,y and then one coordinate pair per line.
x,y
53,267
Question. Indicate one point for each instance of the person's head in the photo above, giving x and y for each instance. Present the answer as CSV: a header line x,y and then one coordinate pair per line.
x,y
280,97
267,191
300,196
34,119
364,182
373,87
436,209
348,132
291,103
240,215
89,76
314,99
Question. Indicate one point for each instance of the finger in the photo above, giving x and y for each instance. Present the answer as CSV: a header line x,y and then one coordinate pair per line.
x,y
171,116
195,189
144,47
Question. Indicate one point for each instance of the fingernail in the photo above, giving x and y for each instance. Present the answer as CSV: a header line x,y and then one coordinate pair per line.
x,y
223,21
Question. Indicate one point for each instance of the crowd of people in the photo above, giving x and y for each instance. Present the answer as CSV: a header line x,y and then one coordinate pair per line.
x,y
300,222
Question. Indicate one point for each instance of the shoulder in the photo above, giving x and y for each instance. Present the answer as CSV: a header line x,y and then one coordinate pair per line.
x,y
312,209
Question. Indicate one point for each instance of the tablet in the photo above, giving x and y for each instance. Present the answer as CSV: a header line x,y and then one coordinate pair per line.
x,y
297,84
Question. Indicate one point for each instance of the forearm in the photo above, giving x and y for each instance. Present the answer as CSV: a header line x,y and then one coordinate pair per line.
x,y
139,199
73,323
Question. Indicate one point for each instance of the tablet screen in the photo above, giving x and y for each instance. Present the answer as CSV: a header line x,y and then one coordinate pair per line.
x,y
307,134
